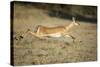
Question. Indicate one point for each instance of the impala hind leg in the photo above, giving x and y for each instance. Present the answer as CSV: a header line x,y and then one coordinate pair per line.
x,y
36,35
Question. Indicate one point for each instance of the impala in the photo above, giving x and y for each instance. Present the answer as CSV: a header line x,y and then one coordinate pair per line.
x,y
58,31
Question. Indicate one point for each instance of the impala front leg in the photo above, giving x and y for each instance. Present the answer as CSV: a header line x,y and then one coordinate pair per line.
x,y
71,37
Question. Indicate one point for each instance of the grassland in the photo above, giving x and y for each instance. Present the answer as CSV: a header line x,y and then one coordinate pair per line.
x,y
31,50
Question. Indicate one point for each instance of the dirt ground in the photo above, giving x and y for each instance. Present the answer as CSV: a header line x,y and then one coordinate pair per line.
x,y
31,50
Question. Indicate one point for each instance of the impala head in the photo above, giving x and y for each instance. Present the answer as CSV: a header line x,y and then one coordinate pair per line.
x,y
75,23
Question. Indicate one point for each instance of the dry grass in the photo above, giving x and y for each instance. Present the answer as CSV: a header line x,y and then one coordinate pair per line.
x,y
31,50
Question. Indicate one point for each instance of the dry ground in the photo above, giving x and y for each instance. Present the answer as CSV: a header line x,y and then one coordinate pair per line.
x,y
31,50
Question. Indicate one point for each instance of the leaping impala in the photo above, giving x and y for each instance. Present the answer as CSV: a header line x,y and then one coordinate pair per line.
x,y
58,31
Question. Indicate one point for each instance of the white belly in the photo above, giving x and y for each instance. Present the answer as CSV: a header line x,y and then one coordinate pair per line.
x,y
55,35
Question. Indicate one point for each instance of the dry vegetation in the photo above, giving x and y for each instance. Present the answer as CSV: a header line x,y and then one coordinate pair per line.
x,y
30,50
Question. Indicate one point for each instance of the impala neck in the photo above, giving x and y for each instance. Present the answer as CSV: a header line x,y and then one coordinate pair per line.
x,y
70,26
